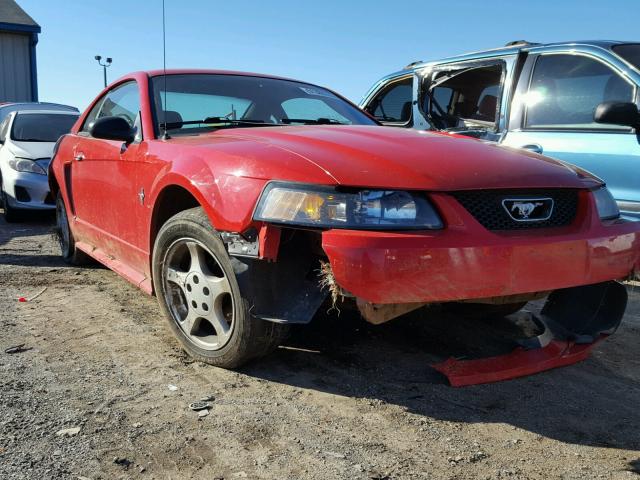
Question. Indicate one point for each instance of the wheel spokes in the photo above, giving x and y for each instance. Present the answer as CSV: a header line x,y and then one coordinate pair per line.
x,y
215,289
198,261
189,324
218,286
219,322
176,276
199,294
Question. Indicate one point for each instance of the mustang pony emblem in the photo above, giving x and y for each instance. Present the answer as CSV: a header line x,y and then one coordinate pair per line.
x,y
528,209
525,209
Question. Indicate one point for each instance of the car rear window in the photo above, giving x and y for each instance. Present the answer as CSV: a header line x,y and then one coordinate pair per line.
x,y
41,127
630,52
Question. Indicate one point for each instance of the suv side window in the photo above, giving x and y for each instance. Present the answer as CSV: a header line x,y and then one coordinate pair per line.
x,y
469,96
123,101
393,103
565,90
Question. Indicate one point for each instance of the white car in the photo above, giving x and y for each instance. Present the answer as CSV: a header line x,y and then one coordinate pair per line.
x,y
27,138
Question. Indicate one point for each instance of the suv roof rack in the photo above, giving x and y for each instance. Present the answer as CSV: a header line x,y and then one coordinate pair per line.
x,y
519,42
412,64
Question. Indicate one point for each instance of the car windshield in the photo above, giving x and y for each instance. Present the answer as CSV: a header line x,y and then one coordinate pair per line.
x,y
630,52
201,102
41,127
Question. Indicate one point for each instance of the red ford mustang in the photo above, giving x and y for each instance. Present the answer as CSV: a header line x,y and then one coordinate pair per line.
x,y
236,197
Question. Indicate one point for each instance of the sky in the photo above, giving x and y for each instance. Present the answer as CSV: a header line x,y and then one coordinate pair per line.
x,y
344,45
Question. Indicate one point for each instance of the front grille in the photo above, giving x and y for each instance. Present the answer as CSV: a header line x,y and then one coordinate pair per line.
x,y
486,207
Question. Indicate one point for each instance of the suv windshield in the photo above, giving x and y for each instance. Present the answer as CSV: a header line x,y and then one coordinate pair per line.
x,y
630,52
41,127
201,102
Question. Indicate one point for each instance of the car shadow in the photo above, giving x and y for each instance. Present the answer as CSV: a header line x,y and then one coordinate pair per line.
x,y
32,224
587,404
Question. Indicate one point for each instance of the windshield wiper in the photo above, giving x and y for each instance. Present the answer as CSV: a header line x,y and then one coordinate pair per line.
x,y
210,121
235,121
311,121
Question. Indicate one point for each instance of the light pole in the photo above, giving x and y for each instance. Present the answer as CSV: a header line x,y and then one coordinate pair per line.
x,y
104,66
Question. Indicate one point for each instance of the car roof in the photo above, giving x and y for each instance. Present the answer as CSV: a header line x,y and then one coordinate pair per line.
x,y
52,112
17,105
191,71
511,48
159,73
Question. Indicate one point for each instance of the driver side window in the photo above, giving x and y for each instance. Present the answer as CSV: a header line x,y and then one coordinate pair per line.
x,y
469,96
123,101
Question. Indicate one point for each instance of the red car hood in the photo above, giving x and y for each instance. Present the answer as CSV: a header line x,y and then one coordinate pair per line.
x,y
373,156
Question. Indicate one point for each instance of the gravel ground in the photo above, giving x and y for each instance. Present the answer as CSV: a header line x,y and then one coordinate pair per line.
x,y
101,391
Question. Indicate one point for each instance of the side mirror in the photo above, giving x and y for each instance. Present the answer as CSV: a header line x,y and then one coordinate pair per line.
x,y
112,128
617,113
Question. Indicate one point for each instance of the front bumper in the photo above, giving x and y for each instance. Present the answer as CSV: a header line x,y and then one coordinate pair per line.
x,y
465,261
36,187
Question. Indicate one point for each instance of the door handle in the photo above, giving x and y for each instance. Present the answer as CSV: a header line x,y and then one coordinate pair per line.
x,y
533,147
79,157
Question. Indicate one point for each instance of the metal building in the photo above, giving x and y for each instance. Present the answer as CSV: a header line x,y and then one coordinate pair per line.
x,y
18,39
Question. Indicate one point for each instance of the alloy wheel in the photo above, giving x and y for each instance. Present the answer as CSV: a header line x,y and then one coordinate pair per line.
x,y
198,294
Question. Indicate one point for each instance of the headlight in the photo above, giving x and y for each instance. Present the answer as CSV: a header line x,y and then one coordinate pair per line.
x,y
317,206
607,206
26,165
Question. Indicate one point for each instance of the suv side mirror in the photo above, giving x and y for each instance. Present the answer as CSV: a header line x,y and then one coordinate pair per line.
x,y
617,113
112,128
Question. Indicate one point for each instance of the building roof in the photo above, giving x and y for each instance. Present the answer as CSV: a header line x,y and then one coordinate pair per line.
x,y
13,17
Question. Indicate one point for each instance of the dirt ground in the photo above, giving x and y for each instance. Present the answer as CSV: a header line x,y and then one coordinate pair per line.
x,y
341,400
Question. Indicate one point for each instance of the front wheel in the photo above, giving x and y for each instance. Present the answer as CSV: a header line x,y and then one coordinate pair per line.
x,y
198,292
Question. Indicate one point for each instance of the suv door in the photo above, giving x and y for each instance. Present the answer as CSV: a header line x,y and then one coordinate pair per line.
x,y
557,96
469,98
103,177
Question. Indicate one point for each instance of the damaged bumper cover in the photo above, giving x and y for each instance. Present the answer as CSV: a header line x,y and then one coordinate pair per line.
x,y
472,263
573,321
391,272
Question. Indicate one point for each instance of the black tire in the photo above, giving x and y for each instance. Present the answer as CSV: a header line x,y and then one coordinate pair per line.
x,y
11,215
249,337
483,310
68,250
